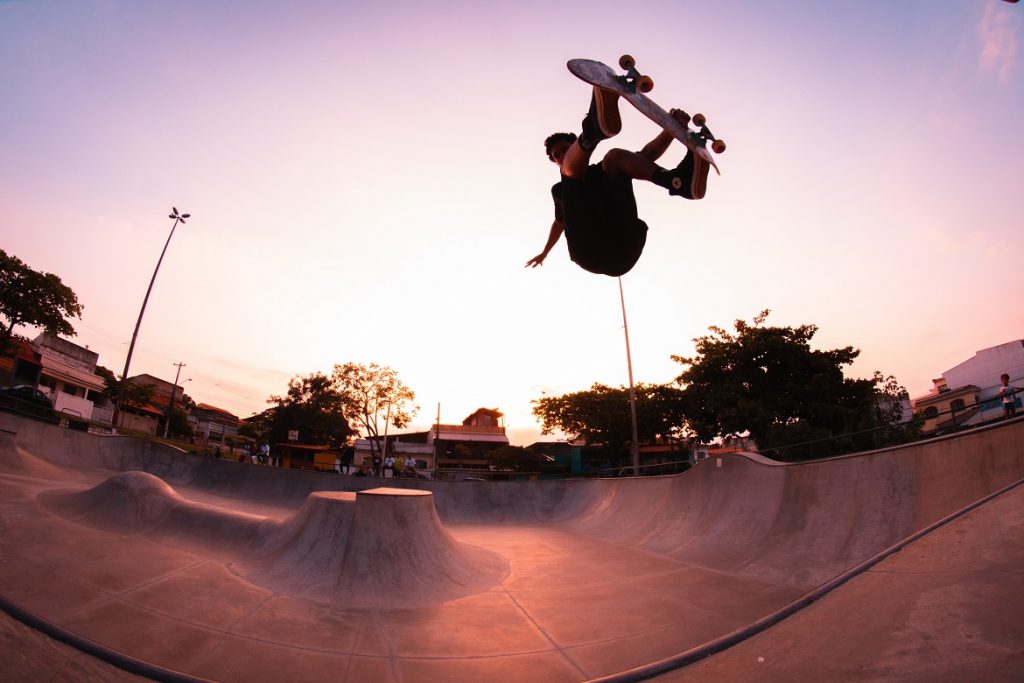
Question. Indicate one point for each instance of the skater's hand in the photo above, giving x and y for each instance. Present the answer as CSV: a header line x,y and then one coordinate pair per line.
x,y
681,116
537,260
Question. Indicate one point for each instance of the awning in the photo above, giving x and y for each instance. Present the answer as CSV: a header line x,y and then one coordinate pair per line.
x,y
470,436
72,375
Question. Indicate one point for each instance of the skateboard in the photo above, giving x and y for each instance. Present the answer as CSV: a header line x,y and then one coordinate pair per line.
x,y
632,87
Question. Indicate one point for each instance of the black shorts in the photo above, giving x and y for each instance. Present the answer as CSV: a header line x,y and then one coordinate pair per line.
x,y
602,230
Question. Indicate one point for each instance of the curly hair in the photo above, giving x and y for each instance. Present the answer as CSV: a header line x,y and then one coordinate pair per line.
x,y
555,138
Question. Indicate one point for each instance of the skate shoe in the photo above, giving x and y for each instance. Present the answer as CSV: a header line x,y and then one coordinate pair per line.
x,y
690,178
602,121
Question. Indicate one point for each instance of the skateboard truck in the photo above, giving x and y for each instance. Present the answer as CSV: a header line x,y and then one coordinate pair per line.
x,y
633,79
717,145
642,83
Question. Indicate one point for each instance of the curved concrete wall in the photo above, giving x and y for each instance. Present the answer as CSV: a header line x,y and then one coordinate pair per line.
x,y
739,513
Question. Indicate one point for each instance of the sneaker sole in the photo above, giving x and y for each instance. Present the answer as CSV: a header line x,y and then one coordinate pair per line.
x,y
607,111
699,184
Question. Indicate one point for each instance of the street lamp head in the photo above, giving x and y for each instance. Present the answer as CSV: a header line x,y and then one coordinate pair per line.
x,y
178,217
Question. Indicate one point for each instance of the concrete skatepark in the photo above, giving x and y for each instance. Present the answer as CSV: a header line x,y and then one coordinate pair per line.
x,y
120,557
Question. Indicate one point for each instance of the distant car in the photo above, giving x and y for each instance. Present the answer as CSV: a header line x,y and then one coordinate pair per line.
x,y
25,398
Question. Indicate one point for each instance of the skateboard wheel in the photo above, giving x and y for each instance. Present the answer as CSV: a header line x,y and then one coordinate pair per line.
x,y
699,120
644,84
718,146
627,62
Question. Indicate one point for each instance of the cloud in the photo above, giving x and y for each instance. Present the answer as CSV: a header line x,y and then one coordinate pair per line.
x,y
998,37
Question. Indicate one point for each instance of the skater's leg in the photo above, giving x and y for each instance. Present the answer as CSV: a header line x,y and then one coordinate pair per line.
x,y
630,164
601,122
688,179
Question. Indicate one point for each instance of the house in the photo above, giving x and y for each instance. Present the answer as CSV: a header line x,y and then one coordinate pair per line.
x,y
22,366
67,373
968,393
212,425
464,447
301,457
444,446
149,418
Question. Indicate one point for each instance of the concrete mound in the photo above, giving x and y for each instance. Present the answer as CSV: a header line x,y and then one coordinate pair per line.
x,y
129,502
141,503
383,547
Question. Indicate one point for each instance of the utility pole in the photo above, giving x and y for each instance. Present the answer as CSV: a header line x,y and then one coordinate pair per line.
x,y
170,406
178,218
632,391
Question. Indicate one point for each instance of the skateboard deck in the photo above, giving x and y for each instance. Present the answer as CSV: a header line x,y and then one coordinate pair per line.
x,y
630,88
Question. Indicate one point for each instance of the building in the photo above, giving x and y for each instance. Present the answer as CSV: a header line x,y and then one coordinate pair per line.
x,y
452,448
212,425
317,458
67,373
968,393
22,366
149,418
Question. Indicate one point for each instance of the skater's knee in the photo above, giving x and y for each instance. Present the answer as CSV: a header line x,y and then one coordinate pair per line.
x,y
617,160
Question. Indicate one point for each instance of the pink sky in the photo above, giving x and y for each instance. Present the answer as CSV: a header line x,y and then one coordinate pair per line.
x,y
367,180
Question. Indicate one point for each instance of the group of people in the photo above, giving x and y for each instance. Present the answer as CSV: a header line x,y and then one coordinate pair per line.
x,y
389,467
261,456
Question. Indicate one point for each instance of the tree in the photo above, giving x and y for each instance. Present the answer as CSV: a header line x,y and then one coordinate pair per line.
x,y
135,393
29,297
601,415
179,427
312,406
769,382
373,397
516,459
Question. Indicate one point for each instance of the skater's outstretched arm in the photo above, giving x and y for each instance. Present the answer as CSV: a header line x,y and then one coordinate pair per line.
x,y
556,232
656,147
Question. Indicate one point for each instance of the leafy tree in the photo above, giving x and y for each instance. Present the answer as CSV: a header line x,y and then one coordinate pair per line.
x,y
768,381
135,393
312,406
515,459
30,297
372,397
179,427
601,415
257,427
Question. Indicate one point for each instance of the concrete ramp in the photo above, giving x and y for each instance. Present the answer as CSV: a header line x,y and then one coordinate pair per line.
x,y
231,572
381,548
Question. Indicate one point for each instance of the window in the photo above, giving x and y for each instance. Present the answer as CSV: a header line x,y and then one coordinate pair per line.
x,y
931,412
958,404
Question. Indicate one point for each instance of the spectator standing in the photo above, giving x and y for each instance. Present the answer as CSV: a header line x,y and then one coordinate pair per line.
x,y
1008,394
389,466
410,466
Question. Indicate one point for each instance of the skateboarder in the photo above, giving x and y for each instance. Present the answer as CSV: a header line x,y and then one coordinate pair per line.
x,y
594,203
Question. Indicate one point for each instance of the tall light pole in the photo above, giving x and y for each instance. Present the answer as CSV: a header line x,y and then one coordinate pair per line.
x,y
632,391
131,348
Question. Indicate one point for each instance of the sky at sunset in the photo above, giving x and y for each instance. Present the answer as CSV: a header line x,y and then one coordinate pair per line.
x,y
367,180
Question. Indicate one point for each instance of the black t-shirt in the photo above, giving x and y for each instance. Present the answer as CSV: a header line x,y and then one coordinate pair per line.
x,y
602,230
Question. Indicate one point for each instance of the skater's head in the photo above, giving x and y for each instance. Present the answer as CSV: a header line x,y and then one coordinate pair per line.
x,y
1004,378
557,144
